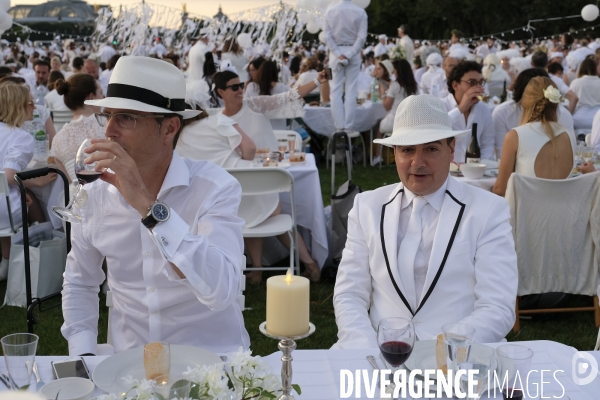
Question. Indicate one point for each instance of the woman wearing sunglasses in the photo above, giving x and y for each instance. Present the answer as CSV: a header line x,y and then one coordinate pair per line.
x,y
231,138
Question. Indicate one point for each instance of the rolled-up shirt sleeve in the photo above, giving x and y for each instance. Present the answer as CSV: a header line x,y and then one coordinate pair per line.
x,y
210,253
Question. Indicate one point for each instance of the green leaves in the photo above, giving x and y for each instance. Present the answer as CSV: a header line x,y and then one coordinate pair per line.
x,y
296,388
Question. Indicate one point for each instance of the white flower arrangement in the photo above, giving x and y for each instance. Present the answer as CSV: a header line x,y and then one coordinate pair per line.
x,y
552,94
397,53
245,377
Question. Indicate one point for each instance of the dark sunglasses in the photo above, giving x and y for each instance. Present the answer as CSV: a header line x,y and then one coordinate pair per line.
x,y
235,87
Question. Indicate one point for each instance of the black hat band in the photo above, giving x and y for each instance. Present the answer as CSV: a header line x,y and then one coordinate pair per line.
x,y
145,96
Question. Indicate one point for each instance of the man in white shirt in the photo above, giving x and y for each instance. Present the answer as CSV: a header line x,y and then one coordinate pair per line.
x,y
106,51
539,59
487,48
167,226
345,41
196,57
381,47
429,249
465,86
406,43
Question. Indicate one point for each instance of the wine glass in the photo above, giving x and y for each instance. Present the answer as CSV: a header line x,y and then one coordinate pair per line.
x,y
85,174
396,338
587,153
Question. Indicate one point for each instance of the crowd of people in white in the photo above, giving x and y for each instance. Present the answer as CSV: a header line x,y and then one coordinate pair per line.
x,y
256,92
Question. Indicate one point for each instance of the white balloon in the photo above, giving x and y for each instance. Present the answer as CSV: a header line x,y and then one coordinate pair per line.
x,y
6,21
362,3
313,26
245,40
322,37
590,12
4,5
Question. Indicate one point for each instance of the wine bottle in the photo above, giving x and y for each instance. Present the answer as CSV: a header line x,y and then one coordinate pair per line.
x,y
473,152
504,93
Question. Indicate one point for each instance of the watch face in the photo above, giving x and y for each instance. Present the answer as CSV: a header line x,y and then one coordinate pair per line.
x,y
160,212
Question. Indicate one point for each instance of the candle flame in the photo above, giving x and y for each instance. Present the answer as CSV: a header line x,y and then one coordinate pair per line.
x,y
288,275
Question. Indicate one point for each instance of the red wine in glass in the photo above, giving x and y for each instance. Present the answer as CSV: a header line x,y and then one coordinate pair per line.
x,y
512,394
395,352
85,176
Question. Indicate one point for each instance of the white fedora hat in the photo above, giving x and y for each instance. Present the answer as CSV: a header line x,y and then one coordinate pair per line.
x,y
146,84
421,119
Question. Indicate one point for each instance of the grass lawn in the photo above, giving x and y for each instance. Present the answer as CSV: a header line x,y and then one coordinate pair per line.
x,y
573,329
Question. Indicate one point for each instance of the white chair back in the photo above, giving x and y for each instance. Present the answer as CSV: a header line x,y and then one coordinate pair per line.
x,y
283,134
60,118
257,181
5,192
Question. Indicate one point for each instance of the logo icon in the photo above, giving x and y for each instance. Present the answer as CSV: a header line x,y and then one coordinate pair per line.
x,y
584,368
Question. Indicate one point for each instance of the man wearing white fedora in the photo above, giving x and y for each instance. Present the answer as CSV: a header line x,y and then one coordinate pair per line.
x,y
167,226
429,249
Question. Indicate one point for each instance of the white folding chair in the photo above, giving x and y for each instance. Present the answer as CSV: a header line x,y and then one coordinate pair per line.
x,y
351,135
5,191
60,118
260,181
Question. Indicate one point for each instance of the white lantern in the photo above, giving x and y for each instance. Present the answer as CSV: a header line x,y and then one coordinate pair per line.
x,y
589,12
362,3
313,26
5,21
322,37
4,5
244,40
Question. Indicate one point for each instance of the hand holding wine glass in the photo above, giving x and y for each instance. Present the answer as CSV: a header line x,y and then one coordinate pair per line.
x,y
85,173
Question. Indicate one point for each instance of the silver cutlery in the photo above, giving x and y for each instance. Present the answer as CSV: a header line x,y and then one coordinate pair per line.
x,y
38,379
7,381
371,359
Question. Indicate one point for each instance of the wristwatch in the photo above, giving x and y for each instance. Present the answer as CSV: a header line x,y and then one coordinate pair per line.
x,y
158,212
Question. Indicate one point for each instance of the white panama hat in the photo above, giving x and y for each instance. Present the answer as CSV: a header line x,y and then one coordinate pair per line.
x,y
421,119
146,84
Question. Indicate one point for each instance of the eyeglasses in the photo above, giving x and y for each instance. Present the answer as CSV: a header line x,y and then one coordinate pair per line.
x,y
475,82
124,120
235,87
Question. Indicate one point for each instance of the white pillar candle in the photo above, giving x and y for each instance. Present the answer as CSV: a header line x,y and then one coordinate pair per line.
x,y
288,302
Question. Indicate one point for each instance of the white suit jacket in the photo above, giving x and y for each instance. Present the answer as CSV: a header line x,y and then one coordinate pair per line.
x,y
472,274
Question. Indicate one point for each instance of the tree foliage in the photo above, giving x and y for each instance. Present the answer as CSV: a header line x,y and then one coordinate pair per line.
x,y
434,19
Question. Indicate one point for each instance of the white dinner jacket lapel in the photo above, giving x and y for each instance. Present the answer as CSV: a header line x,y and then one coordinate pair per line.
x,y
450,217
449,220
390,218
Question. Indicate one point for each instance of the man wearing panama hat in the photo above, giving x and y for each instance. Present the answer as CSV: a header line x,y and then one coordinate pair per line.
x,y
167,226
429,249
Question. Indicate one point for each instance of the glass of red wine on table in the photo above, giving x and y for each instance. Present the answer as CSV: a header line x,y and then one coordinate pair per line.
x,y
85,174
514,362
396,338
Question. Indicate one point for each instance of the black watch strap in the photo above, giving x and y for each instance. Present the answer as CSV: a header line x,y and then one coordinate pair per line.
x,y
149,222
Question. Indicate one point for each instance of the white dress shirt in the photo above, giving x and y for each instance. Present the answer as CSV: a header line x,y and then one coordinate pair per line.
x,y
352,33
587,89
409,48
202,237
480,114
563,88
196,60
433,82
16,150
55,101
430,214
508,115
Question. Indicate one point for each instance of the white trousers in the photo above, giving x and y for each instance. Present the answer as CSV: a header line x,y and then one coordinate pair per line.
x,y
344,79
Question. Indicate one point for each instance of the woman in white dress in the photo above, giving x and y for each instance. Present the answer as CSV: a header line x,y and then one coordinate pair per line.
x,y
587,89
267,84
540,146
55,101
232,51
308,72
77,89
16,151
404,86
251,114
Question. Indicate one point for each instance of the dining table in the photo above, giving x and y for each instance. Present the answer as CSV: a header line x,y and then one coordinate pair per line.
x,y
320,120
319,372
310,215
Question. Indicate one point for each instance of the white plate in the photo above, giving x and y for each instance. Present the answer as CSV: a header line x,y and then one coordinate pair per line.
x,y
107,375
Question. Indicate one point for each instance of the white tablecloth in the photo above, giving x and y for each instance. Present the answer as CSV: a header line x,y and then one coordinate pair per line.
x,y
318,371
320,120
309,214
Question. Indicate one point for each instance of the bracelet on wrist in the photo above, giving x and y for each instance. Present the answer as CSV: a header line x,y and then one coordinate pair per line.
x,y
316,81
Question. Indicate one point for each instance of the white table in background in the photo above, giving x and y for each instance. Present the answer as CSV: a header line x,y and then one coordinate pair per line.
x,y
320,120
318,371
310,216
